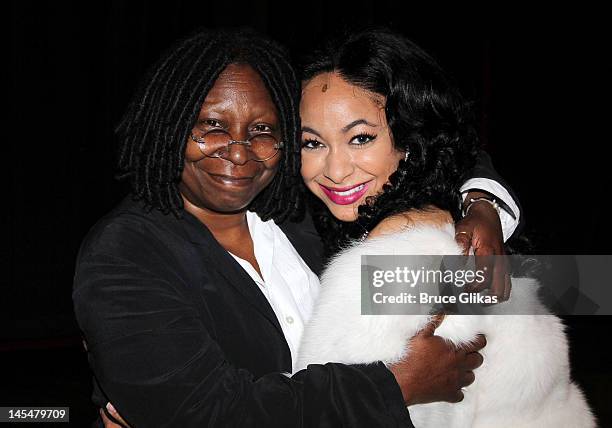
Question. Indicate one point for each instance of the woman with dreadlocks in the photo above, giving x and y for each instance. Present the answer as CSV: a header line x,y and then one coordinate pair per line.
x,y
191,295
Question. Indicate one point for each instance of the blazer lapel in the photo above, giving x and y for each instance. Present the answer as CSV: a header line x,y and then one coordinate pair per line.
x,y
306,240
236,276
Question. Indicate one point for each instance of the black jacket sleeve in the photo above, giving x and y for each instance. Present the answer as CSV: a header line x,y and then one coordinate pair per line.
x,y
156,361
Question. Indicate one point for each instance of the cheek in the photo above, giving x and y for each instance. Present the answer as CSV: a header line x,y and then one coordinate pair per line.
x,y
310,167
192,176
269,169
392,165
381,165
192,152
195,167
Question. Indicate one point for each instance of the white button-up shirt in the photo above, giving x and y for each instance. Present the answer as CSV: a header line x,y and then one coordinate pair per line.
x,y
288,283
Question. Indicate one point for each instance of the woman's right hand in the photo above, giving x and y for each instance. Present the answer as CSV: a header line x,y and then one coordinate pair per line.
x,y
435,370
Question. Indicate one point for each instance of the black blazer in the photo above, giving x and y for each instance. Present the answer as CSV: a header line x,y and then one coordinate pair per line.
x,y
179,335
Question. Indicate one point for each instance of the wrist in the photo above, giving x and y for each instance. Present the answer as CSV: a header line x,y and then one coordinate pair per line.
x,y
476,194
482,206
480,201
400,379
479,193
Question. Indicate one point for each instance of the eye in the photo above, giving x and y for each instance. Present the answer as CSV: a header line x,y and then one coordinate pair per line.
x,y
362,139
262,127
311,144
209,123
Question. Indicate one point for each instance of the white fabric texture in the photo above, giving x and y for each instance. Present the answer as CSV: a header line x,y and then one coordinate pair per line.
x,y
524,380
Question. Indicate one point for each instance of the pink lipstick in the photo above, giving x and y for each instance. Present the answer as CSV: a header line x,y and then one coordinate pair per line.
x,y
345,195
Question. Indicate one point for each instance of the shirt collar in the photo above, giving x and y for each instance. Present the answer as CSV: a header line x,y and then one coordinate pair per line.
x,y
264,241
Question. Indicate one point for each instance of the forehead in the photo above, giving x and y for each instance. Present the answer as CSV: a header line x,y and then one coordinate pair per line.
x,y
239,88
328,94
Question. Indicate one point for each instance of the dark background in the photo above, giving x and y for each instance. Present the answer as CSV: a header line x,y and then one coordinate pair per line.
x,y
537,78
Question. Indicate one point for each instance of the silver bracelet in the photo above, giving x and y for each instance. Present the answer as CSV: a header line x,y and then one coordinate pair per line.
x,y
493,202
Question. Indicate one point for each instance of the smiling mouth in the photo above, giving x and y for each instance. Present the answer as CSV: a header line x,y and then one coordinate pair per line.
x,y
231,177
345,195
231,180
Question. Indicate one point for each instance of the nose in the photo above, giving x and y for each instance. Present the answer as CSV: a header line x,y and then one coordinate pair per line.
x,y
338,166
237,154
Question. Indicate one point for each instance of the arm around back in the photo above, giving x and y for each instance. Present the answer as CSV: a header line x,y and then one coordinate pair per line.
x,y
156,358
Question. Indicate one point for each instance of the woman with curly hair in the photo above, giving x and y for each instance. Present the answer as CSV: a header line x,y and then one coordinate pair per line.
x,y
386,140
412,135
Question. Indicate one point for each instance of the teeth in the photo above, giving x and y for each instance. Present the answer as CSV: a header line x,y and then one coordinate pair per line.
x,y
350,191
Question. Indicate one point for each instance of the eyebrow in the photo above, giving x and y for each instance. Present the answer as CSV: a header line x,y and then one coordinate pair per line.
x,y
357,122
312,131
344,130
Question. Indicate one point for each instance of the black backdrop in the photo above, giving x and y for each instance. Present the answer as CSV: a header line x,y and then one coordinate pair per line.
x,y
536,77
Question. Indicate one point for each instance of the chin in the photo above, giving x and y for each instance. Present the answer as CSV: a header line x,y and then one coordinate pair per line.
x,y
225,205
347,214
231,206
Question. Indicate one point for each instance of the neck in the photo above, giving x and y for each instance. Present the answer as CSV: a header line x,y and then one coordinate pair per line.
x,y
220,224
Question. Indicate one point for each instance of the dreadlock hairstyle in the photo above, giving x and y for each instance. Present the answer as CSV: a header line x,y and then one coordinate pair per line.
x,y
154,131
426,115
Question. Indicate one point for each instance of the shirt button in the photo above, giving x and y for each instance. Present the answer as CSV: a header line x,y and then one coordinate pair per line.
x,y
289,319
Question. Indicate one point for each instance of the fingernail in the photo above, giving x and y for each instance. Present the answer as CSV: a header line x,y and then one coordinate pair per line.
x,y
110,408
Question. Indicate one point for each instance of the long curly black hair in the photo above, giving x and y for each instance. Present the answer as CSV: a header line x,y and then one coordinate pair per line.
x,y
427,117
155,129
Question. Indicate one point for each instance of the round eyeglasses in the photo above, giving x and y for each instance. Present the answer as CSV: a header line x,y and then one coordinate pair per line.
x,y
216,144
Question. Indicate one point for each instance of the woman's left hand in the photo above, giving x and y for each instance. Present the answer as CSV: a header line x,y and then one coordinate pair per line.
x,y
481,230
